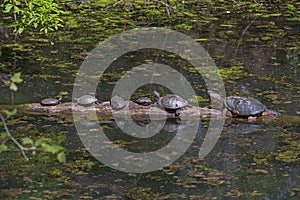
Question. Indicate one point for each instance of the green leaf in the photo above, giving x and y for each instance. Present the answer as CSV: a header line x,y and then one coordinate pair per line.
x,y
46,147
8,8
61,157
39,142
4,135
7,83
13,86
51,148
9,113
16,9
3,148
27,140
21,29
16,78
17,2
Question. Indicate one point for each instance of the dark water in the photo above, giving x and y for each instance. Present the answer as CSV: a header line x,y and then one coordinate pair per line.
x,y
249,161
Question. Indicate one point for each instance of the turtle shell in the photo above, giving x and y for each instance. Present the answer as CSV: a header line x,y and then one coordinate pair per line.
x,y
86,100
172,101
117,103
50,101
145,101
244,106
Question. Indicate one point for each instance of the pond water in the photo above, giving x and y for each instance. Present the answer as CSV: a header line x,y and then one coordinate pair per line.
x,y
258,56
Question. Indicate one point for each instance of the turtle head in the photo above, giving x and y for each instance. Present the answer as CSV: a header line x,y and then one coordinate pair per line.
x,y
157,95
215,96
216,99
59,98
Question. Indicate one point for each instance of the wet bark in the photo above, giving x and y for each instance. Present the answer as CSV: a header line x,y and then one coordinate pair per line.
x,y
131,109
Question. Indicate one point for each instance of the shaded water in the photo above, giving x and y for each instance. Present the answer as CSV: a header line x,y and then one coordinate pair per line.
x,y
253,161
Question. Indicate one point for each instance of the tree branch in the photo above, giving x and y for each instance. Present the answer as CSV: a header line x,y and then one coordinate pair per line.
x,y
241,38
113,5
13,139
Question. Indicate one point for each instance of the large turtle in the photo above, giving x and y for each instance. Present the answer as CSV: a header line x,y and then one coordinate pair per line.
x,y
87,100
171,102
117,103
51,101
241,106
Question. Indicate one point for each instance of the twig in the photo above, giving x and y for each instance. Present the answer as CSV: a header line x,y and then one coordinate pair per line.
x,y
236,3
13,139
241,38
168,7
113,5
76,2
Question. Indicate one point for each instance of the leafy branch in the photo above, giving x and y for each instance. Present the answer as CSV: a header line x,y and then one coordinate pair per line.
x,y
11,80
39,144
46,16
43,14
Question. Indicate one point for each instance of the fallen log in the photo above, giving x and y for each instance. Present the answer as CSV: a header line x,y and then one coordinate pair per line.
x,y
136,111
132,109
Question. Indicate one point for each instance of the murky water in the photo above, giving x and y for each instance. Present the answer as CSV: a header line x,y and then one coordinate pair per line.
x,y
249,161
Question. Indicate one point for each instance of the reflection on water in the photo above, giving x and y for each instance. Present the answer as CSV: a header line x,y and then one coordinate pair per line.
x,y
243,162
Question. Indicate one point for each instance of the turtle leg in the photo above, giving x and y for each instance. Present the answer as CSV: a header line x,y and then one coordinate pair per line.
x,y
98,102
252,118
227,113
177,112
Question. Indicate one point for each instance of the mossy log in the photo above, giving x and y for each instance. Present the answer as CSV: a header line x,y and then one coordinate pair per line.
x,y
104,109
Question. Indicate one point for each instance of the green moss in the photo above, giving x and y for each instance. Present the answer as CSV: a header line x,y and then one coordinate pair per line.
x,y
142,193
233,73
80,166
290,151
56,172
256,194
197,99
289,156
295,191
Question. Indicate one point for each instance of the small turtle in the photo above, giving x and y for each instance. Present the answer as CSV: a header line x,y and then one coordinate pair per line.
x,y
117,103
87,100
242,106
144,101
171,102
51,101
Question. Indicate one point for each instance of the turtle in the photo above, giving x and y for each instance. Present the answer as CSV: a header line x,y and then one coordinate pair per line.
x,y
51,101
117,103
242,106
171,102
144,101
87,100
